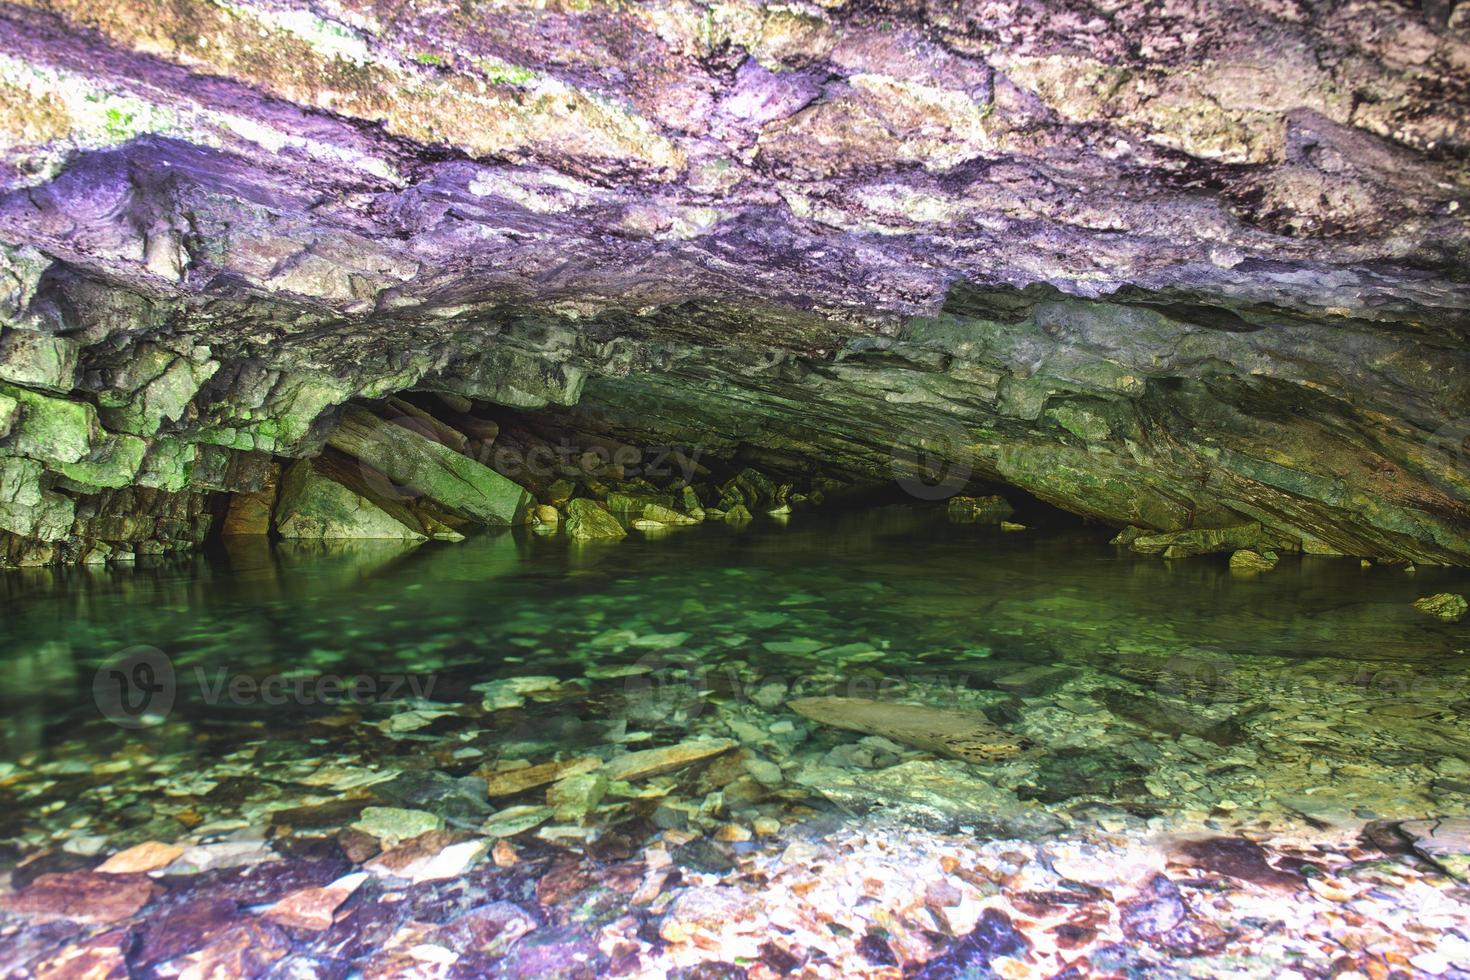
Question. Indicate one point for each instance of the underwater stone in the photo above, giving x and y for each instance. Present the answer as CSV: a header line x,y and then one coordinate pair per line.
x,y
393,824
965,735
940,795
656,762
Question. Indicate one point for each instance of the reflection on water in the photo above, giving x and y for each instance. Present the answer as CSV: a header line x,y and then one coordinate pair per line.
x,y
1170,666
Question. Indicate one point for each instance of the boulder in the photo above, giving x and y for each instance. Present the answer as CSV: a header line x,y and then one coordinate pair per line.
x,y
979,510
1446,606
314,507
586,521
1198,541
422,467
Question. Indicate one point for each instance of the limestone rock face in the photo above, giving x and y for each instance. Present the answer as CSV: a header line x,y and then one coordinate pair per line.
x,y
1190,266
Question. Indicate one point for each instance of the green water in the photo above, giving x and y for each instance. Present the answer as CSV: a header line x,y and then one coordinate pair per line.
x,y
1177,688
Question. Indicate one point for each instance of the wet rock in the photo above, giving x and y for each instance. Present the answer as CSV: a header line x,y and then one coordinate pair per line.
x,y
260,884
656,762
556,953
940,796
245,950
1198,541
429,857
82,896
586,521
965,735
421,466
311,506
875,950
511,782
1445,842
1234,857
102,957
979,510
393,824
148,856
186,927
225,854
1446,606
1249,562
488,929
575,796
312,909
708,911
1154,911
993,937
515,820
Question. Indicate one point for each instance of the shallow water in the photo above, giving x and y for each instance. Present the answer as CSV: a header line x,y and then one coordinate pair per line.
x,y
1179,688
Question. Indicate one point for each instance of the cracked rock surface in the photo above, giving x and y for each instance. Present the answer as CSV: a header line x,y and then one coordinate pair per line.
x,y
1169,265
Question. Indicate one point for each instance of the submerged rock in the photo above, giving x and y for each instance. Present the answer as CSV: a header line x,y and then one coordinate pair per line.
x,y
511,782
655,762
966,735
1445,842
942,796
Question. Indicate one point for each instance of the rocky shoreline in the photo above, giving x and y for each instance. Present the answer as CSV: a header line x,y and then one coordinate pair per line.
x,y
825,899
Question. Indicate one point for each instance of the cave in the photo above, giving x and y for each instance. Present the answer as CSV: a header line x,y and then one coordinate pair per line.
x,y
715,488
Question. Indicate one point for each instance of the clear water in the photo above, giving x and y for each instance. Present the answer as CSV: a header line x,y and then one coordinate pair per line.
x,y
1181,687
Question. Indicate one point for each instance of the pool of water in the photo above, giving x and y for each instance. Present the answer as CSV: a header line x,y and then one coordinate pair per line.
x,y
1159,689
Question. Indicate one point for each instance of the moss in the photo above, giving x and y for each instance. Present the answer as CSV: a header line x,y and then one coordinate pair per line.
x,y
52,430
115,465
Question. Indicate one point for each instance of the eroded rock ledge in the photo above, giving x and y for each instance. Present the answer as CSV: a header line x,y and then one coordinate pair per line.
x,y
1190,266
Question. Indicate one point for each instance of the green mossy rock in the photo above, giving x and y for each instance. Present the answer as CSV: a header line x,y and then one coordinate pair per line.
x,y
52,430
1446,606
422,467
588,522
313,507
38,360
979,510
1199,541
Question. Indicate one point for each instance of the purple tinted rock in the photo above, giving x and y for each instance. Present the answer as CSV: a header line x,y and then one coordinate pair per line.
x,y
185,927
993,936
1156,909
